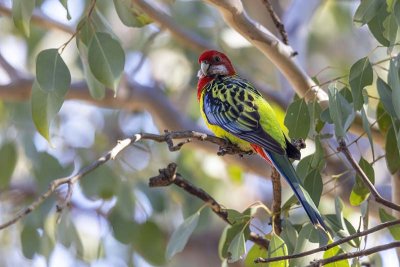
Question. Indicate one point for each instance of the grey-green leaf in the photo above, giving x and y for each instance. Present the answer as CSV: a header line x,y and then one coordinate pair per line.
x,y
367,129
45,106
340,110
130,15
30,241
392,152
22,12
394,83
237,247
8,161
386,217
366,11
277,248
106,59
360,76
297,119
360,192
313,184
385,94
375,25
181,235
65,5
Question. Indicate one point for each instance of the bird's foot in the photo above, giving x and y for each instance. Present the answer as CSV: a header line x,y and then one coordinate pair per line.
x,y
231,149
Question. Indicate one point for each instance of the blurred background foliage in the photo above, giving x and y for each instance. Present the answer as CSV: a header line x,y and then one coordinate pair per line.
x,y
114,219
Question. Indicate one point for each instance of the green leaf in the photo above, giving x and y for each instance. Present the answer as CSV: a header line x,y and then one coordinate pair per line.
x,y
297,119
392,152
181,235
130,15
391,27
106,59
366,11
100,183
236,217
30,241
8,161
332,252
48,91
385,94
124,229
52,73
310,162
289,235
150,243
360,192
360,76
235,173
396,11
383,118
237,247
277,248
227,236
394,83
313,184
309,238
315,117
255,252
367,129
22,11
340,110
376,26
65,5
386,217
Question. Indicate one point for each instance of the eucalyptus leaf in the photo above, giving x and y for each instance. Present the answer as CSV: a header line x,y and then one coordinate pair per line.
x,y
360,191
8,161
181,235
375,25
255,252
106,59
277,248
385,95
237,247
130,15
367,129
30,241
341,111
392,152
332,252
313,184
394,83
386,217
22,11
297,119
366,11
360,76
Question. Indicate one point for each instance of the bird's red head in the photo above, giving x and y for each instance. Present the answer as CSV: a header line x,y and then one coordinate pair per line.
x,y
212,64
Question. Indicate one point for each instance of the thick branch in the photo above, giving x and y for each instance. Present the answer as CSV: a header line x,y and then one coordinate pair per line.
x,y
378,198
169,176
356,254
331,245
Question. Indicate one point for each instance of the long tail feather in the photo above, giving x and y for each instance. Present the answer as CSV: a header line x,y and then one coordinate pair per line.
x,y
285,168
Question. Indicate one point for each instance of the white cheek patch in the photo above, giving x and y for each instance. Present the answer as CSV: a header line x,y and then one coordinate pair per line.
x,y
218,69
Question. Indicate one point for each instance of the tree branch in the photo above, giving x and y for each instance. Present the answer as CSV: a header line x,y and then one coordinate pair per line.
x,y
351,255
278,24
277,201
331,245
169,176
378,198
168,138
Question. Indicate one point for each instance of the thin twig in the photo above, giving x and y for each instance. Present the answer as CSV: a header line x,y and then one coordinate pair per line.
x,y
331,245
378,198
278,23
351,255
169,176
277,201
111,154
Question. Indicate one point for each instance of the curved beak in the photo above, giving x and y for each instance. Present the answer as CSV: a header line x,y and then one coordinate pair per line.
x,y
204,66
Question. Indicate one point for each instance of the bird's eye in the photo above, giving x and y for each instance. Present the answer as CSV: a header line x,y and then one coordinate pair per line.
x,y
217,59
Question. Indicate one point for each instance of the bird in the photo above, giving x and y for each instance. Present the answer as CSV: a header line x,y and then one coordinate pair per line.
x,y
233,109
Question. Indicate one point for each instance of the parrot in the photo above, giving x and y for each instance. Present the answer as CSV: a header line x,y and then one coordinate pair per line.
x,y
233,109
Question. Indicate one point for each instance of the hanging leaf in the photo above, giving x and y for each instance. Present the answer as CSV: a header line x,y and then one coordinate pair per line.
x,y
255,252
309,238
30,241
386,217
53,80
277,248
130,15
65,5
332,252
366,11
106,59
289,235
360,76
297,119
229,233
313,184
8,161
340,110
376,25
237,247
392,152
385,95
383,118
181,235
390,29
100,183
394,83
360,192
22,11
367,129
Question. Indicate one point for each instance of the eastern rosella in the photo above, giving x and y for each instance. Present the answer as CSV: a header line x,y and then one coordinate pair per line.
x,y
233,109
